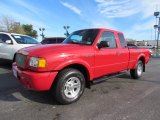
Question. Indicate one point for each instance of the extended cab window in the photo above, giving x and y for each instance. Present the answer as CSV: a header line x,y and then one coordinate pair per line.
x,y
122,41
109,36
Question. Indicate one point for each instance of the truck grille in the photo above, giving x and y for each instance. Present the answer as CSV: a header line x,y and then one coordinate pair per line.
x,y
21,59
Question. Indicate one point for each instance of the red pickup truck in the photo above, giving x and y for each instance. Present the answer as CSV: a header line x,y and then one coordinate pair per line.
x,y
83,58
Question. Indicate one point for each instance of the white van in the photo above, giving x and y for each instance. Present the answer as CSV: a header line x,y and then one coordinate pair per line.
x,y
10,43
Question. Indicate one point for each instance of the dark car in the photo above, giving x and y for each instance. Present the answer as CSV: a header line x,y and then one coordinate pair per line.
x,y
53,40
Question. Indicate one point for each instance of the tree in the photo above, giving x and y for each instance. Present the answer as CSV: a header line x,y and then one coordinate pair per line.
x,y
7,23
28,28
18,29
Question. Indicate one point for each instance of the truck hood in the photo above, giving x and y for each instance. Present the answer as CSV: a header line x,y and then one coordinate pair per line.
x,y
45,49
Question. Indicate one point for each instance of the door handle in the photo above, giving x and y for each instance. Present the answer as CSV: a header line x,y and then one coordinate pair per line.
x,y
118,53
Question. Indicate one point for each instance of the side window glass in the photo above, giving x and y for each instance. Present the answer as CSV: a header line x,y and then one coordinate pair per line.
x,y
108,36
77,38
5,37
1,41
122,40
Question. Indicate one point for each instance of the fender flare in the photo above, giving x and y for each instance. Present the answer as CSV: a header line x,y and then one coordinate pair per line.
x,y
139,57
77,61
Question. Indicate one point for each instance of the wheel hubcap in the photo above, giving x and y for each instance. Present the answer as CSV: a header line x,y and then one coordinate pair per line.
x,y
139,69
72,87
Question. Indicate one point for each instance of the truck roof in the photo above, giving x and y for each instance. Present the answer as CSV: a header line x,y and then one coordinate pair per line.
x,y
104,29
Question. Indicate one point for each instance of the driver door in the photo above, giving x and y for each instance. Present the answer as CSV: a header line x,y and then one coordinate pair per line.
x,y
107,58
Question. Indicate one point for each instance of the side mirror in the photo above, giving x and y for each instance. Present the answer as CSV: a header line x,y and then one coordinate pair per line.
x,y
8,41
103,44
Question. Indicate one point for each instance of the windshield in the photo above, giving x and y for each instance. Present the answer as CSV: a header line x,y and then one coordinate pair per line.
x,y
85,37
20,39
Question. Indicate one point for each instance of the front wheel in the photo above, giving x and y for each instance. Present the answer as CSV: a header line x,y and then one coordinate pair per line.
x,y
137,72
69,86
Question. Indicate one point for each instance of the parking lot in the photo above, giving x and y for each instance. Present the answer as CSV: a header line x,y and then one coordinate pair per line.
x,y
116,99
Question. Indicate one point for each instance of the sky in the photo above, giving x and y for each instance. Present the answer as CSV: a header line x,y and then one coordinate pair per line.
x,y
133,17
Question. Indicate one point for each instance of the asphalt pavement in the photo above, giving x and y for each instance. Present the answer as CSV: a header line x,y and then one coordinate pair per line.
x,y
120,98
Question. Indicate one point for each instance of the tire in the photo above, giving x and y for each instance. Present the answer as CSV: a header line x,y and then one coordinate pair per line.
x,y
69,86
137,72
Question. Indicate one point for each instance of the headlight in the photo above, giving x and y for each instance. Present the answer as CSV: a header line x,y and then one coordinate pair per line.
x,y
37,62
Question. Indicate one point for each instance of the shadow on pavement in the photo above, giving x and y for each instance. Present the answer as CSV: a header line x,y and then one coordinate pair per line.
x,y
5,64
125,76
9,86
44,97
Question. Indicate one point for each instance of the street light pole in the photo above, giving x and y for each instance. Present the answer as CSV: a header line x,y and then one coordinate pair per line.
x,y
66,28
156,14
42,34
158,34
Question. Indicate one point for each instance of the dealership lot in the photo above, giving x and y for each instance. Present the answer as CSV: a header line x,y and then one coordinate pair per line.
x,y
116,99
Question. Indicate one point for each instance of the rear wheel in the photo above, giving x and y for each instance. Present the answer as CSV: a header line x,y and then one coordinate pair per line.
x,y
69,86
137,72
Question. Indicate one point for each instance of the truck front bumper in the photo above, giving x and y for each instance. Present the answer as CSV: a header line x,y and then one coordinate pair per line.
x,y
38,81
